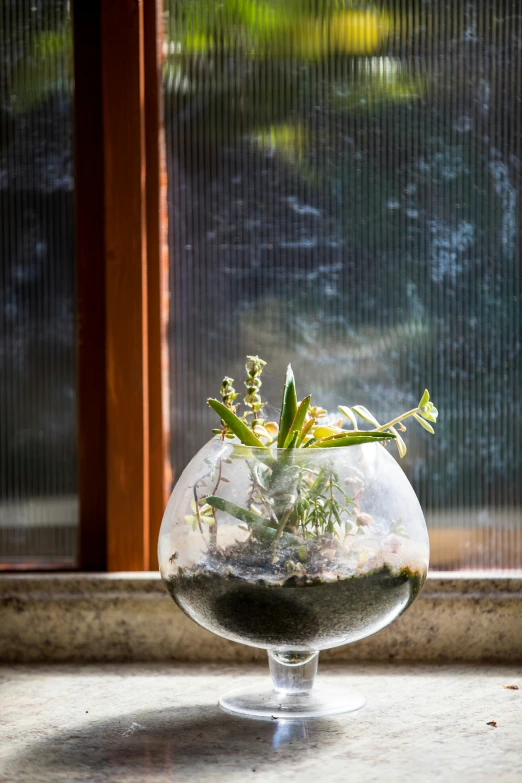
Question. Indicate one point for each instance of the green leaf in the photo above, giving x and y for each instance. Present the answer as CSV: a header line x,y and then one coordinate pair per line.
x,y
288,408
400,443
352,439
348,413
235,511
365,414
326,432
424,399
238,427
299,418
268,534
261,527
424,423
293,442
287,457
319,483
373,434
306,429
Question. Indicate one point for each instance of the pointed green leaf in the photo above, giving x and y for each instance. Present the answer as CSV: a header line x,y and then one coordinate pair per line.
x,y
348,413
319,484
288,408
287,457
306,429
265,533
365,414
327,432
298,419
293,442
424,423
238,427
352,439
424,399
235,511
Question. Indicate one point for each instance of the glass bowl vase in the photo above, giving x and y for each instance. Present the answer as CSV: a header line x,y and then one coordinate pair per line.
x,y
293,551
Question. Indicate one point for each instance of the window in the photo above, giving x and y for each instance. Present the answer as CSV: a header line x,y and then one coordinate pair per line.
x,y
38,441
344,188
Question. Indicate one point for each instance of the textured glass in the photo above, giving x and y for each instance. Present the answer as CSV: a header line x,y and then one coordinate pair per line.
x,y
38,502
344,194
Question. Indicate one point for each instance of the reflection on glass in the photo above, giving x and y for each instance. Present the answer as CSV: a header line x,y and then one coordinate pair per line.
x,y
38,503
344,192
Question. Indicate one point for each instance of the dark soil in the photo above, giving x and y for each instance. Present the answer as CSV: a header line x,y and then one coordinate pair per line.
x,y
294,613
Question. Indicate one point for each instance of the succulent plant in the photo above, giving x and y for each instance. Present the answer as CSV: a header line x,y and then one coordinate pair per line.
x,y
287,502
303,426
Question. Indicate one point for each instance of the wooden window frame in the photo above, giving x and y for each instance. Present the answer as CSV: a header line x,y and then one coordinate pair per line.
x,y
122,287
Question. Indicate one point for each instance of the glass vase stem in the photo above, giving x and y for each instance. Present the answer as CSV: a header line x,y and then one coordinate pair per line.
x,y
293,672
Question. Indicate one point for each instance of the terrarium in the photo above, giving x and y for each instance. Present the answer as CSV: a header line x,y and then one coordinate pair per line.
x,y
295,536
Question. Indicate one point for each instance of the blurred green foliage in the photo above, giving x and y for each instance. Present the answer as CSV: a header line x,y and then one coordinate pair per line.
x,y
400,119
37,56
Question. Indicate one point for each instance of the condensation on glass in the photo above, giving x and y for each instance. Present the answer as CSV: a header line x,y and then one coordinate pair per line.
x,y
38,486
344,193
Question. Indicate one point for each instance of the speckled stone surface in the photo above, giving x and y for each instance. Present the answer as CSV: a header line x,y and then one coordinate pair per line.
x,y
153,723
130,617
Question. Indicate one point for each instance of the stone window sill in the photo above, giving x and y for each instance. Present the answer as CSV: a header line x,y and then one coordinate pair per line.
x,y
160,722
459,617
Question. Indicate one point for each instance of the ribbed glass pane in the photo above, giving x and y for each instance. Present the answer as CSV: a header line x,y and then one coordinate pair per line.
x,y
38,502
344,193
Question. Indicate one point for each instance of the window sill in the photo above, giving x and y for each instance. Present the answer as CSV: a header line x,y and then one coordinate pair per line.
x,y
459,617
159,723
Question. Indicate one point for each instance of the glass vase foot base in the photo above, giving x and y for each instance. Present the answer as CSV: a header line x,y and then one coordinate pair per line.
x,y
265,702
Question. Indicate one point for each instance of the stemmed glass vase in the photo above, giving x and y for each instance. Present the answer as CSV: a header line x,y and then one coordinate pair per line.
x,y
293,552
